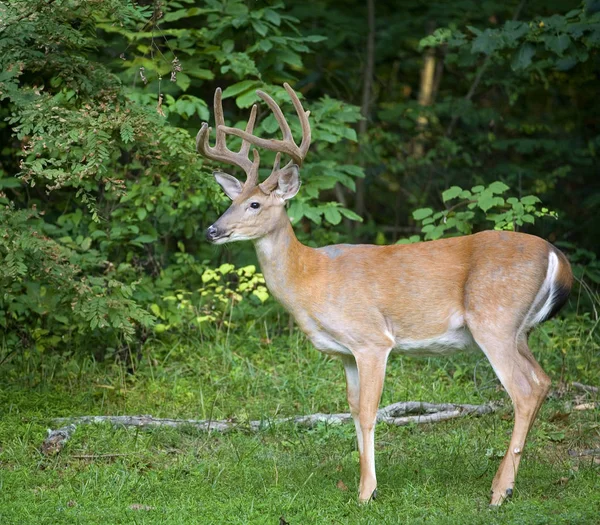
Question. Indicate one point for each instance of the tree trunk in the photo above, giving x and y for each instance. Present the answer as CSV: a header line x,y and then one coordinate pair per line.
x,y
366,101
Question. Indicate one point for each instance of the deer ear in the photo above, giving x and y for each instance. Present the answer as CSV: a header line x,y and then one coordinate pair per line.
x,y
288,183
231,186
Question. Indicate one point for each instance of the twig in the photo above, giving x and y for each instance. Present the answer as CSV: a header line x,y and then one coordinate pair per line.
x,y
586,452
395,414
585,388
101,456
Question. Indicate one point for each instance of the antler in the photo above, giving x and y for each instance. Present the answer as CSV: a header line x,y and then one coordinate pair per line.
x,y
287,145
220,152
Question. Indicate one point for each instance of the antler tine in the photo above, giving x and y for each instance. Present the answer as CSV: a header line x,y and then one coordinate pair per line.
x,y
249,129
220,152
268,185
287,145
303,116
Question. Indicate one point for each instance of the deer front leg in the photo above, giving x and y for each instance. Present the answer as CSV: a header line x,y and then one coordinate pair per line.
x,y
353,394
371,373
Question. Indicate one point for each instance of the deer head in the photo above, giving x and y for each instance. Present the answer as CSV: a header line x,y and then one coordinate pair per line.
x,y
256,208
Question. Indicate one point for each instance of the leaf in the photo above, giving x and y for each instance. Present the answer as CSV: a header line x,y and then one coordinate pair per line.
x,y
270,125
349,214
498,187
183,81
141,213
557,44
514,30
529,200
227,46
450,193
127,135
421,213
315,38
241,87
528,218
85,245
261,28
290,57
486,42
332,215
144,239
245,100
9,182
262,293
523,56
272,16
485,201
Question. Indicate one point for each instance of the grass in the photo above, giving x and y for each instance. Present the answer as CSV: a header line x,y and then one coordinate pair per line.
x,y
427,474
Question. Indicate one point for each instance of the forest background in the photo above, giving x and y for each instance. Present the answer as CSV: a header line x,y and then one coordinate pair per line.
x,y
430,119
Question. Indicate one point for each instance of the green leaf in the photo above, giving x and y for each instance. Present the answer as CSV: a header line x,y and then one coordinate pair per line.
x,y
245,100
141,213
85,245
498,187
272,16
486,42
241,87
421,213
315,38
450,193
332,215
557,43
349,214
523,56
144,239
9,182
485,201
530,200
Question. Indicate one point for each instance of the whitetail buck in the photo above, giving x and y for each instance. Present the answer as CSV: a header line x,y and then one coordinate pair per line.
x,y
361,302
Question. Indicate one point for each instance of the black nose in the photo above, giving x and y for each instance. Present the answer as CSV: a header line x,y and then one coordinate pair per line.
x,y
212,233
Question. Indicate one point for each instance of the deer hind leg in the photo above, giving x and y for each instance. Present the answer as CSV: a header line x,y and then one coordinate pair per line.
x,y
527,385
371,373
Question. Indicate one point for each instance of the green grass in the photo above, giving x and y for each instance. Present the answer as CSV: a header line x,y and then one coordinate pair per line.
x,y
427,474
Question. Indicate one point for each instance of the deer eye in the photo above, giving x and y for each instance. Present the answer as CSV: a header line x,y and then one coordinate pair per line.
x,y
255,205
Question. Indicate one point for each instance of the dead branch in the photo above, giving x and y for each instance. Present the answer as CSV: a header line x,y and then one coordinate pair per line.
x,y
585,388
394,414
586,452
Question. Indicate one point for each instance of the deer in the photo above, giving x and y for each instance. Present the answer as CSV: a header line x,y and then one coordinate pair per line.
x,y
484,291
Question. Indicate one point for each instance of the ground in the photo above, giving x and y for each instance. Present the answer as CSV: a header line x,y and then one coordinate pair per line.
x,y
437,473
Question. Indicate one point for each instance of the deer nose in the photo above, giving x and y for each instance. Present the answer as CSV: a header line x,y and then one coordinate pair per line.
x,y
212,233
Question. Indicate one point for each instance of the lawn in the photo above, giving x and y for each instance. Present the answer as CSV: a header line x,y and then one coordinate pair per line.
x,y
437,473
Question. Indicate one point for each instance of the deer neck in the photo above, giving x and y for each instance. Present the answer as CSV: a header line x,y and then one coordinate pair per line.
x,y
279,255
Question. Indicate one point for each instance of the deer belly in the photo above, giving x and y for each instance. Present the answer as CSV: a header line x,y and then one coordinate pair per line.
x,y
323,342
446,343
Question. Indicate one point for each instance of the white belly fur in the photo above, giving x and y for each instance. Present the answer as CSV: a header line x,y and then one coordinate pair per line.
x,y
446,343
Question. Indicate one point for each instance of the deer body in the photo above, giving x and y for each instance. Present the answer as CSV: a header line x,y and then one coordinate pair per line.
x,y
420,297
361,302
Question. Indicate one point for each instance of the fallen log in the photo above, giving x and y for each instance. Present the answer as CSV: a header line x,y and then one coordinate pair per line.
x,y
394,414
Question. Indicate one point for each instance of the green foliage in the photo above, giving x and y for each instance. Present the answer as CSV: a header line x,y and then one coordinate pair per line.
x,y
222,289
102,145
101,101
50,295
482,204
